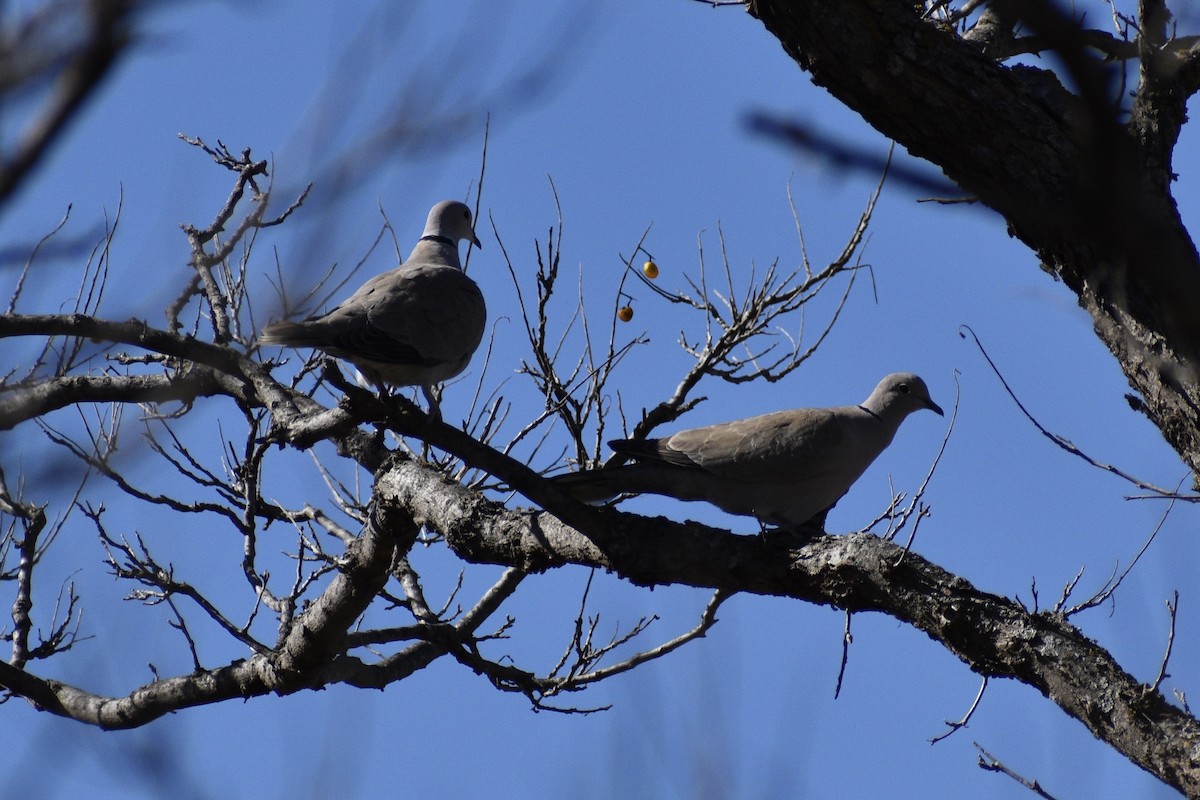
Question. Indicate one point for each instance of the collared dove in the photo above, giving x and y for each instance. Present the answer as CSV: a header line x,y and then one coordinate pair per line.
x,y
415,325
785,468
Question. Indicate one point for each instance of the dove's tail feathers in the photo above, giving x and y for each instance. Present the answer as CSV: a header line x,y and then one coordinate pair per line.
x,y
294,334
651,450
634,448
592,486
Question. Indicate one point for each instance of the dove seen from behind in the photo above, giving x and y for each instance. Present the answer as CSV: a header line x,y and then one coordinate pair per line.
x,y
786,468
416,325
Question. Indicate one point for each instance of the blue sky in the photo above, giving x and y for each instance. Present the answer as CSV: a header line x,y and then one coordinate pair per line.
x,y
636,112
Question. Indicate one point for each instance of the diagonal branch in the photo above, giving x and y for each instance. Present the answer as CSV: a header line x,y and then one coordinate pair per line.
x,y
107,37
993,635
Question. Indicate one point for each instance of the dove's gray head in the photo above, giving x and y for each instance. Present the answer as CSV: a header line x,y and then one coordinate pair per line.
x,y
900,394
451,220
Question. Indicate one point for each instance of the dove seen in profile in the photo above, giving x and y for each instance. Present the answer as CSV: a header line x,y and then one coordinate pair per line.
x,y
416,325
786,468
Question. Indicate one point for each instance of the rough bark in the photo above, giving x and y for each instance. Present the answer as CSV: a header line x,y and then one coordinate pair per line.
x,y
993,635
1087,192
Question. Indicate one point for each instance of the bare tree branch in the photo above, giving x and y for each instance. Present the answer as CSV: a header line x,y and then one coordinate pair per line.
x,y
79,69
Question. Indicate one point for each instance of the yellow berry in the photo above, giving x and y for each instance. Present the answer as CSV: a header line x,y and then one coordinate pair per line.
x,y
624,313
650,269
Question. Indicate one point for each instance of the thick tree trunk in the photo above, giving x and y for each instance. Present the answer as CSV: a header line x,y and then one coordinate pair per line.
x,y
1088,195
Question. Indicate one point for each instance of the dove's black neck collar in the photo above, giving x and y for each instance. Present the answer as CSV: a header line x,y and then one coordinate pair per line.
x,y
433,237
869,411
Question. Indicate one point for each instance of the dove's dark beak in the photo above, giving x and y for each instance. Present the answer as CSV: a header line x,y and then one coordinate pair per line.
x,y
475,241
934,407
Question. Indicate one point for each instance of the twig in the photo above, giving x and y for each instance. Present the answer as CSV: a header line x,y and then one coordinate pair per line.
x,y
990,763
180,624
80,67
952,726
1110,586
915,505
1065,443
707,619
1172,610
847,639
20,283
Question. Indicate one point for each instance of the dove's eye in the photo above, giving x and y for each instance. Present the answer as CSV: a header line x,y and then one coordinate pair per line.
x,y
902,388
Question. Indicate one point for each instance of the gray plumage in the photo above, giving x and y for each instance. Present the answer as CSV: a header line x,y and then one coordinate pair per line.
x,y
784,468
416,325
